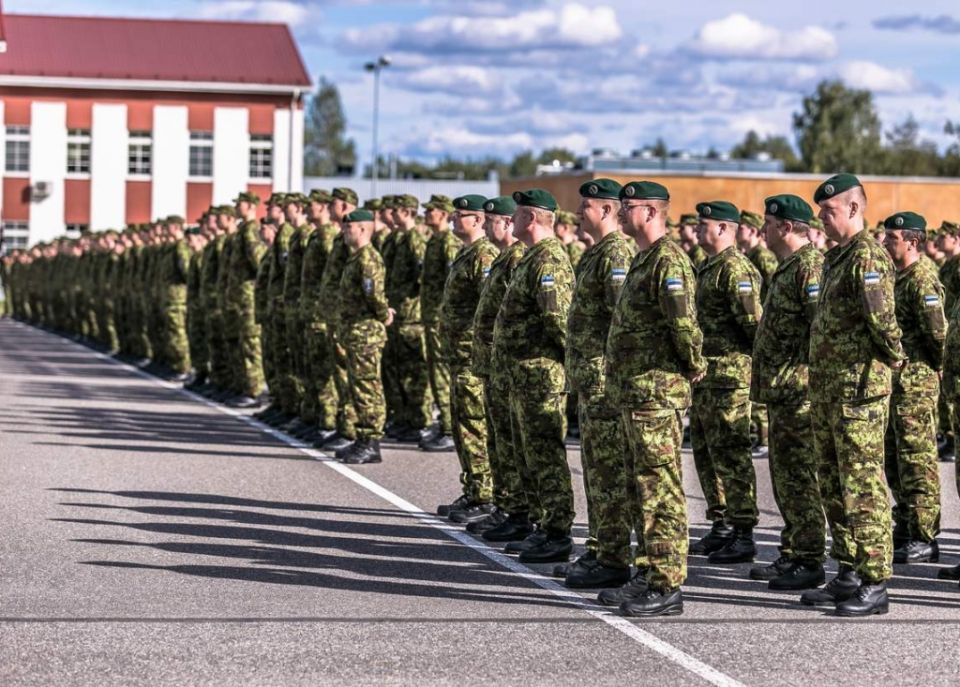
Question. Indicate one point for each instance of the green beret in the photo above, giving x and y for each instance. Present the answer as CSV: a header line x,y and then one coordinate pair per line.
x,y
535,198
277,199
751,219
471,202
501,205
644,190
348,195
439,202
719,211
789,207
600,188
359,216
173,219
248,196
373,204
318,195
905,220
689,219
406,201
835,185
950,228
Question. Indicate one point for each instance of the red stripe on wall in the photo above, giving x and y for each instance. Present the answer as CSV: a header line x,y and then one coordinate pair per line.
x,y
261,119
140,116
79,114
76,194
200,117
16,111
138,202
264,191
16,198
199,198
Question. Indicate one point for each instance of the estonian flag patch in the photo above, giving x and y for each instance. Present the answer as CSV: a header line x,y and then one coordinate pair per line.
x,y
674,284
813,290
618,274
547,280
931,300
871,278
744,287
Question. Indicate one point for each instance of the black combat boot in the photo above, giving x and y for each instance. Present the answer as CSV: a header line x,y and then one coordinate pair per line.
x,y
488,523
336,442
595,574
719,536
740,549
768,572
632,590
364,451
556,547
323,436
949,573
342,452
868,599
515,528
800,575
408,435
441,443
459,503
917,552
583,561
840,588
653,603
472,513
532,540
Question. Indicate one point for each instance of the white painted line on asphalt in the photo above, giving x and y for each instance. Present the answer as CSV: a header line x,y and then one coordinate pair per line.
x,y
665,649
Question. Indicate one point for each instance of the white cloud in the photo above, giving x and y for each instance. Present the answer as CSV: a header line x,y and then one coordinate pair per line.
x,y
740,37
282,11
877,78
462,80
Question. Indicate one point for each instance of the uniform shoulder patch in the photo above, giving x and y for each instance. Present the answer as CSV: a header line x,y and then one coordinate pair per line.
x,y
674,284
871,278
547,280
618,274
813,290
931,300
367,285
745,287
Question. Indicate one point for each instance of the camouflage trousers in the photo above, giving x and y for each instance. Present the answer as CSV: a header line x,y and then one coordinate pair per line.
x,y
720,437
267,356
320,367
172,335
760,422
654,470
143,347
296,341
106,325
283,394
511,487
602,453
364,343
217,350
796,489
242,337
197,341
440,375
945,423
538,407
848,439
469,429
912,465
955,413
391,383
346,411
410,363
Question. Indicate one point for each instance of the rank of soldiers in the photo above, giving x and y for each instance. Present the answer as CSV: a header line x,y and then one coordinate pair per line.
x,y
487,326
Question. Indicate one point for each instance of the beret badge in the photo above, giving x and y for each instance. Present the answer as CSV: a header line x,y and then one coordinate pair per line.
x,y
593,189
630,191
828,189
898,221
773,208
707,211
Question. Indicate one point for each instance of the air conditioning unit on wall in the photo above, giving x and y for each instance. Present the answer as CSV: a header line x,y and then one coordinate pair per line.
x,y
40,190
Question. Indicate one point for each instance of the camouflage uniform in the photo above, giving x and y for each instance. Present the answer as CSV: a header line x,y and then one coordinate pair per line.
x,y
216,344
911,437
408,355
438,257
653,345
951,369
765,261
320,367
779,378
239,315
601,275
507,469
171,273
469,428
391,383
950,278
528,347
261,305
292,377
196,320
728,311
361,317
854,339
328,304
277,322
697,255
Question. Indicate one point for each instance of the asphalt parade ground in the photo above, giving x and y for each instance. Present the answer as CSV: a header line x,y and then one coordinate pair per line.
x,y
150,537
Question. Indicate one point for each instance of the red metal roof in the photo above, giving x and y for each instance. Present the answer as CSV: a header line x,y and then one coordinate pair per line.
x,y
151,49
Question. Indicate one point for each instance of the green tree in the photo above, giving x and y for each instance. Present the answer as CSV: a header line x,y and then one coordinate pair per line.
x,y
777,147
907,155
327,151
523,165
838,130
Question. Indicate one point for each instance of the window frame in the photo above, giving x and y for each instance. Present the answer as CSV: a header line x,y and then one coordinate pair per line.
x,y
19,136
260,159
140,155
20,234
79,139
200,141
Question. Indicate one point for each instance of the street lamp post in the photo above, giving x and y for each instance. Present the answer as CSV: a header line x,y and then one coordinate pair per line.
x,y
376,67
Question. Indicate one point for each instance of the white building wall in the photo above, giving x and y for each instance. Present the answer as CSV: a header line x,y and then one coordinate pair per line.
x,y
281,152
48,163
231,151
171,161
3,150
108,167
296,180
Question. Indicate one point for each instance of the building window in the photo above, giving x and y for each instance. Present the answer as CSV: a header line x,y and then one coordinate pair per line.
x,y
261,156
201,154
140,153
78,151
15,234
18,148
76,230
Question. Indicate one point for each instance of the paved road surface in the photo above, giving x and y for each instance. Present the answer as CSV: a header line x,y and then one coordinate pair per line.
x,y
148,537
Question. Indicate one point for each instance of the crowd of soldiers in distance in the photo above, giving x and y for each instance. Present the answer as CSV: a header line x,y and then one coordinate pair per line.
x,y
494,328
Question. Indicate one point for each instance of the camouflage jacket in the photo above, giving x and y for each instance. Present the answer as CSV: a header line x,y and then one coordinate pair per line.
x,y
780,367
495,286
279,254
765,261
728,311
362,294
380,237
460,298
223,270
318,249
575,251
242,264
697,255
210,271
601,275
854,337
328,303
951,356
294,268
950,278
918,298
261,285
403,279
530,332
438,256
654,340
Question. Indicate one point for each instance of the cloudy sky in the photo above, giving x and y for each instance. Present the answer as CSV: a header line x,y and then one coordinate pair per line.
x,y
472,78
